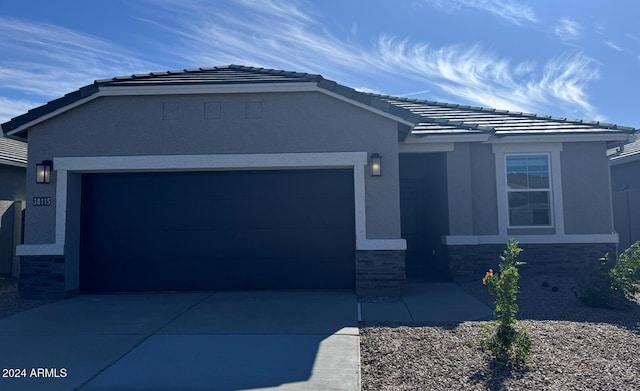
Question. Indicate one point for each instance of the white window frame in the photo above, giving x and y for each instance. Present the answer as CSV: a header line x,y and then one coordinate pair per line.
x,y
501,150
548,190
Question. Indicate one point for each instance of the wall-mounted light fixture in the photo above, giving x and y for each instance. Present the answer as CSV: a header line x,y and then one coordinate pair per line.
x,y
375,163
43,171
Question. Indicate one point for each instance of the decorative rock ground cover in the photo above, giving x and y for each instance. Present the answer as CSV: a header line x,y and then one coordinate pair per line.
x,y
574,347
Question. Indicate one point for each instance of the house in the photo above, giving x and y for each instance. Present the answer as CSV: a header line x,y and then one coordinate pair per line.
x,y
625,185
13,163
236,177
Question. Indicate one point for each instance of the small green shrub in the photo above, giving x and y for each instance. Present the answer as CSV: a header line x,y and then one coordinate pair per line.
x,y
611,286
624,277
502,339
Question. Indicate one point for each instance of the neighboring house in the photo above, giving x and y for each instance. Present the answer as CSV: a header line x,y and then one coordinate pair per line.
x,y
625,185
248,178
13,163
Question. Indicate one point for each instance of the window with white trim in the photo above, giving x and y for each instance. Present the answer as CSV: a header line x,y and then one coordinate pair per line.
x,y
529,199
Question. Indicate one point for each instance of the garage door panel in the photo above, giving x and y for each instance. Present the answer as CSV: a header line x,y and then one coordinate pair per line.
x,y
259,273
218,230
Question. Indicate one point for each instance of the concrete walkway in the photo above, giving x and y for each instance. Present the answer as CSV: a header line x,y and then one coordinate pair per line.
x,y
433,302
306,340
194,341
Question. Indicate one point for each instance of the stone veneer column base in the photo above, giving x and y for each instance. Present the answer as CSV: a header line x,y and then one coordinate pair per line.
x,y
470,262
379,273
43,277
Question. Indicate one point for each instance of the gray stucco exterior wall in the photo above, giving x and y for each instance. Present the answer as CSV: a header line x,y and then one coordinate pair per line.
x,y
459,190
471,176
585,188
625,186
244,124
625,176
483,176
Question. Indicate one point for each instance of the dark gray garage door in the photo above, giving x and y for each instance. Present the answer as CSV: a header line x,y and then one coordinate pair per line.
x,y
186,231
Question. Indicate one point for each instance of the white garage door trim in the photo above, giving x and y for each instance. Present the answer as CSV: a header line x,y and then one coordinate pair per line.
x,y
160,163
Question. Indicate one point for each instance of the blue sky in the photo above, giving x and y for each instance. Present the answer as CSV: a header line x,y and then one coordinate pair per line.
x,y
571,58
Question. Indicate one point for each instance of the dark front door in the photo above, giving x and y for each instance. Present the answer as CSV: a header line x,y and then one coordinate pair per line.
x,y
414,222
424,211
189,231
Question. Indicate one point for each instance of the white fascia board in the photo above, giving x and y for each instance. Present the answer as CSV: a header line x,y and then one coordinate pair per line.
x,y
12,163
531,239
424,147
39,249
614,161
210,162
381,244
366,107
450,138
506,139
52,114
533,147
207,89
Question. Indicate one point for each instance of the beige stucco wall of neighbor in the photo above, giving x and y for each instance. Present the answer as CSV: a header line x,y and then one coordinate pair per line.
x,y
586,188
288,123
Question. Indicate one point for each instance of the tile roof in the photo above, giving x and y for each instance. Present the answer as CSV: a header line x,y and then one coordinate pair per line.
x,y
229,74
430,118
630,150
447,118
13,152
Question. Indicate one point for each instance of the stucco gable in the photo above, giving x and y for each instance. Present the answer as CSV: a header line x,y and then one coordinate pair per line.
x,y
420,119
223,79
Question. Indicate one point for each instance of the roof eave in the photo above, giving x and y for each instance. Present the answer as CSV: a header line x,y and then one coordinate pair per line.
x,y
18,127
573,136
617,160
13,163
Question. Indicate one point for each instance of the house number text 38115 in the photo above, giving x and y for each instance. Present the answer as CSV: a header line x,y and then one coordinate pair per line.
x,y
41,201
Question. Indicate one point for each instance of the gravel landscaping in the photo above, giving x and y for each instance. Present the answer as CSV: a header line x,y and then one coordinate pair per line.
x,y
574,347
11,302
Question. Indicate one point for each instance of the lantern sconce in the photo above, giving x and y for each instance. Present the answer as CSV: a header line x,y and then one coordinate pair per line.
x,y
43,171
375,163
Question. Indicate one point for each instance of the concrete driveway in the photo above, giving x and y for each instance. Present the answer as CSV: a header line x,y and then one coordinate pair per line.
x,y
291,340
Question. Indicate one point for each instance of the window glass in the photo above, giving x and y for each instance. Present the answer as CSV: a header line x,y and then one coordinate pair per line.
x,y
528,190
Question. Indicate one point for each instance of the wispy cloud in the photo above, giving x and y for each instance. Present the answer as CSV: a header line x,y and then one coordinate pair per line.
x,y
265,34
48,61
511,11
568,30
614,45
10,107
477,76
